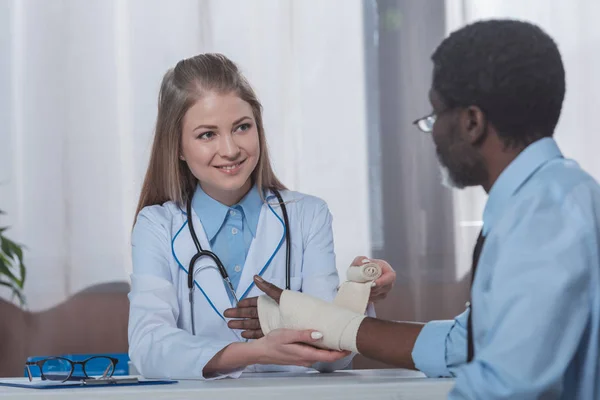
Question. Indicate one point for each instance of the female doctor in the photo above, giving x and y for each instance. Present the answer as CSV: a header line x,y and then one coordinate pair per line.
x,y
208,220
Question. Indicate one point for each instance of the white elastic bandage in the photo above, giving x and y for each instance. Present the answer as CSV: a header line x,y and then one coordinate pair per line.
x,y
338,322
268,314
300,311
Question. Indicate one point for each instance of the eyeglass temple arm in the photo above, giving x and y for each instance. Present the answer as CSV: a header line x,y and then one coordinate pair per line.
x,y
104,375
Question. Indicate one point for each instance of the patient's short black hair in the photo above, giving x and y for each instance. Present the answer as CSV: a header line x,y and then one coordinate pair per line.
x,y
511,70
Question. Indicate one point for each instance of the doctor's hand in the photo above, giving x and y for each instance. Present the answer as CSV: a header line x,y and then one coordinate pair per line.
x,y
383,284
247,313
292,347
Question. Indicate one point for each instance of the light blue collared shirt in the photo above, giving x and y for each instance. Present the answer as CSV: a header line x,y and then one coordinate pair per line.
x,y
230,230
536,295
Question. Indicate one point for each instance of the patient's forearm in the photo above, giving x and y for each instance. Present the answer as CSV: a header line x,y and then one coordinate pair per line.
x,y
387,341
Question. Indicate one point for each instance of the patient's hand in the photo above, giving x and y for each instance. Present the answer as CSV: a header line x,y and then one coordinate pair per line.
x,y
385,283
246,313
247,318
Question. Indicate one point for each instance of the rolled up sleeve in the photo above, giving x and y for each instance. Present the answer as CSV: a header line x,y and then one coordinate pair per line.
x,y
441,347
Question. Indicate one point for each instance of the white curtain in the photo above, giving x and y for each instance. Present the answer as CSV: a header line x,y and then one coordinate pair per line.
x,y
574,26
78,93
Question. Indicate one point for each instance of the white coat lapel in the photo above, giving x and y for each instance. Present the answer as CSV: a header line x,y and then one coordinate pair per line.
x,y
269,240
206,273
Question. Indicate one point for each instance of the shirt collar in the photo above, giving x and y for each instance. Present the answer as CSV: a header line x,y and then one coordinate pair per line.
x,y
515,175
212,214
252,205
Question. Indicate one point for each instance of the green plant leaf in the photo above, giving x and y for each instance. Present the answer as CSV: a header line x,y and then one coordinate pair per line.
x,y
11,265
22,272
16,291
7,284
4,270
19,294
6,247
4,260
18,250
5,263
12,250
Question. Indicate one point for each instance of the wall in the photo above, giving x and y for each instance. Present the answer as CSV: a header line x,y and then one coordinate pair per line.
x,y
78,105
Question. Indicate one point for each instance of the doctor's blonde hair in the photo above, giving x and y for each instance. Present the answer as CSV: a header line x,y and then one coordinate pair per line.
x,y
168,178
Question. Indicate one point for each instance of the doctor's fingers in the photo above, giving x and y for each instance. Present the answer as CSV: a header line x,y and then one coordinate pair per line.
x,y
380,293
244,324
313,355
360,260
381,289
270,290
388,275
377,298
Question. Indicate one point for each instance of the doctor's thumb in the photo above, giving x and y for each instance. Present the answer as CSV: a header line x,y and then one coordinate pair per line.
x,y
268,288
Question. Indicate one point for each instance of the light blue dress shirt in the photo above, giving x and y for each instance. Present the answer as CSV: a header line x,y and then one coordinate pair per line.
x,y
230,230
536,294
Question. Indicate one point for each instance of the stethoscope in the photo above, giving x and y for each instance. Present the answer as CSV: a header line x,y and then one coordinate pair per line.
x,y
228,285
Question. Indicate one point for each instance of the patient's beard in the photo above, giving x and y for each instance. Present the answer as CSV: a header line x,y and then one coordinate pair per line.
x,y
447,180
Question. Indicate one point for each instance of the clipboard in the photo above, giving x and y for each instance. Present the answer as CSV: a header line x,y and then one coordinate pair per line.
x,y
87,383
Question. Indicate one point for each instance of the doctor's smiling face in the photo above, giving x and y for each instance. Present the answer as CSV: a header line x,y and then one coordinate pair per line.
x,y
209,130
220,144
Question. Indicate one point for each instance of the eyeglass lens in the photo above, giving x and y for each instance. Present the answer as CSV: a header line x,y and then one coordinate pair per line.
x,y
56,369
99,366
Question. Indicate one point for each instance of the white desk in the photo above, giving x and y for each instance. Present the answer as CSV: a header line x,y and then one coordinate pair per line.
x,y
347,385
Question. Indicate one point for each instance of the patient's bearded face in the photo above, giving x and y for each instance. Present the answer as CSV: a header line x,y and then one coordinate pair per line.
x,y
461,164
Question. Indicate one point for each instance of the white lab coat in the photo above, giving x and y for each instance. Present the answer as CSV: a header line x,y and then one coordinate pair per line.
x,y
160,340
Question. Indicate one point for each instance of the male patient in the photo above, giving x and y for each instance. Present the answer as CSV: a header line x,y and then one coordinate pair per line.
x,y
532,329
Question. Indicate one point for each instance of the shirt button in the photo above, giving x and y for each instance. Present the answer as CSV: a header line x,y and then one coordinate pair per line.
x,y
237,268
234,231
468,304
232,212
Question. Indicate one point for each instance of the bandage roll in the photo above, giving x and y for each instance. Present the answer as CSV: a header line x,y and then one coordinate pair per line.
x,y
363,273
355,292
